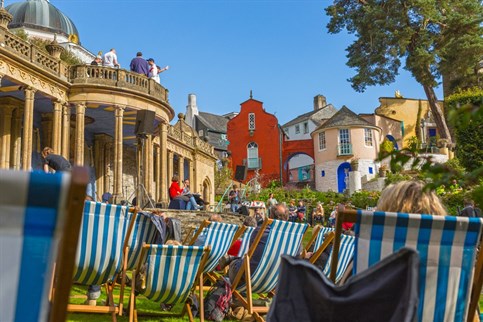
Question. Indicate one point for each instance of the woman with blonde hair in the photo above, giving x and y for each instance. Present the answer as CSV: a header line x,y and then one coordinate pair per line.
x,y
318,215
410,197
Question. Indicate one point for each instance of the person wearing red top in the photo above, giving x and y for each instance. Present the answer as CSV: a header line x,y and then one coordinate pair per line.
x,y
174,190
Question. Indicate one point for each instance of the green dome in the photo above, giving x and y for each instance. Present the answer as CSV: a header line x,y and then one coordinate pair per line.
x,y
41,15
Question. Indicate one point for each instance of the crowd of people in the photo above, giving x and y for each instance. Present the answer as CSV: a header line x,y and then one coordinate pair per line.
x,y
138,64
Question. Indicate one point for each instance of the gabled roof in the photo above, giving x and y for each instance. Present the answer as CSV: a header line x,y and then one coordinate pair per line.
x,y
213,122
316,116
215,140
345,117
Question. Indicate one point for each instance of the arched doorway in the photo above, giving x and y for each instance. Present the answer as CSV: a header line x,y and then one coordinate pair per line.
x,y
343,176
299,168
206,190
393,140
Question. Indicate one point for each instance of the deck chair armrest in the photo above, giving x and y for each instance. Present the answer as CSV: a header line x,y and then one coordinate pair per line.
x,y
328,239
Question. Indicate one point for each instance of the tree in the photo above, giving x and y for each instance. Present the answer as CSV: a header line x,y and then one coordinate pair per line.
x,y
435,37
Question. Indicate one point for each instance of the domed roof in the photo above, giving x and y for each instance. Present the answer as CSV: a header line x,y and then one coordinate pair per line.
x,y
41,15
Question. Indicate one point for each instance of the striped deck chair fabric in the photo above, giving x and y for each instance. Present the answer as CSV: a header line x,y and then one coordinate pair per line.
x,y
219,236
171,272
285,238
31,222
346,254
245,243
99,251
446,246
143,231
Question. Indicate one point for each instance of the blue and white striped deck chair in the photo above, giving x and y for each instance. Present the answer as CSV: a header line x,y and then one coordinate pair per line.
x,y
171,274
245,243
219,236
36,218
346,254
143,231
284,238
100,249
447,249
320,236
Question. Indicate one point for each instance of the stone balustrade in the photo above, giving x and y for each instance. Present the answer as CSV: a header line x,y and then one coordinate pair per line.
x,y
115,77
82,74
33,54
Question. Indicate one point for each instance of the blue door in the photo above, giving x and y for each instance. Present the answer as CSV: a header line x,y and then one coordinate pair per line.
x,y
393,140
343,176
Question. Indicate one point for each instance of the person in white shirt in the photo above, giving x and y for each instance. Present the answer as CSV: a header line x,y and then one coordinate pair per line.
x,y
154,70
110,59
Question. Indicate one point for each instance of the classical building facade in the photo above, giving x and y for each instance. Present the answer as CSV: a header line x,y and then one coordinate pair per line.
x,y
87,114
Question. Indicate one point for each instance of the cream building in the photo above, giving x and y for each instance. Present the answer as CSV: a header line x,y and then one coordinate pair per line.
x,y
347,139
87,114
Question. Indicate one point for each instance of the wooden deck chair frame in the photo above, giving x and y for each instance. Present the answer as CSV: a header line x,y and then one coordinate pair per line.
x,y
349,215
110,306
329,238
68,244
245,271
186,308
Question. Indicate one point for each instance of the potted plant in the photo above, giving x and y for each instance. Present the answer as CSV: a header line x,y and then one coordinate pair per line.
x,y
355,164
382,170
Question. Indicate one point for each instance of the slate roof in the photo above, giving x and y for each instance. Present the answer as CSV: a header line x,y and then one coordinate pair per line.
x,y
215,140
324,113
213,122
345,117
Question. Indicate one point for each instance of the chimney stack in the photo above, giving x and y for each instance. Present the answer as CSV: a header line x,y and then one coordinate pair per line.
x,y
191,110
319,102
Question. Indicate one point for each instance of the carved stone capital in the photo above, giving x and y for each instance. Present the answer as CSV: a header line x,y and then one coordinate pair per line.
x,y
5,18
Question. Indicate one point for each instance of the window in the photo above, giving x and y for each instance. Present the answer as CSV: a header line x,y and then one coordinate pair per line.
x,y
306,127
322,173
371,170
322,143
297,129
368,137
252,156
200,133
345,146
223,136
251,121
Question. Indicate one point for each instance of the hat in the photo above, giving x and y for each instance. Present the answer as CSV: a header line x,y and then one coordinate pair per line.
x,y
150,59
106,196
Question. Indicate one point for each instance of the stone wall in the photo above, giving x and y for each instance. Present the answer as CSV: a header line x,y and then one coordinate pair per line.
x,y
193,219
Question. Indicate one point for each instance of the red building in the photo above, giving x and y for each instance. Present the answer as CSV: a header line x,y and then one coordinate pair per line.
x,y
255,141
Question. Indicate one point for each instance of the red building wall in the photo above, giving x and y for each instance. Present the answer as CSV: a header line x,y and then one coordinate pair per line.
x,y
266,135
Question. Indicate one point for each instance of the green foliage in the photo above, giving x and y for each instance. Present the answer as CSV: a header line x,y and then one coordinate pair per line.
x,y
413,142
363,199
428,38
397,177
222,178
386,146
66,56
20,33
464,110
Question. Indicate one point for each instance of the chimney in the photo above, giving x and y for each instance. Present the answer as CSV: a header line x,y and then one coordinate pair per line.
x,y
319,102
191,110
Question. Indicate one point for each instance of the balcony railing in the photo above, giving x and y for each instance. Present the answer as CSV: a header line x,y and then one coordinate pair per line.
x,y
253,163
344,149
116,77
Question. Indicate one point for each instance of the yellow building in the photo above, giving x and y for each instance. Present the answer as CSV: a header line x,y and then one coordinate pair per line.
x,y
415,115
88,113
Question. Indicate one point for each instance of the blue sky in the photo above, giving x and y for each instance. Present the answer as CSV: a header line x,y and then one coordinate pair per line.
x,y
220,50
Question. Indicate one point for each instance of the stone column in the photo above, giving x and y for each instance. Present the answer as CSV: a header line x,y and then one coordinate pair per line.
x,y
80,112
181,169
57,126
16,152
5,136
65,145
194,171
170,171
148,163
164,179
118,145
192,174
28,126
158,179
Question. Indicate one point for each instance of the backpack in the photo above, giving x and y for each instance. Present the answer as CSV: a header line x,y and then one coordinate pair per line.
x,y
218,301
